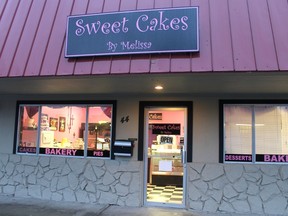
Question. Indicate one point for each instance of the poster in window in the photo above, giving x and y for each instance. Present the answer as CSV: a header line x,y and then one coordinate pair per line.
x,y
62,124
53,124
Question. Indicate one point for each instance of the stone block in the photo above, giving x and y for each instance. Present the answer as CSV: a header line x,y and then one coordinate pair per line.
x,y
220,183
29,160
28,170
14,158
135,185
255,203
21,191
9,168
241,206
268,191
210,206
252,177
92,198
121,201
198,167
40,172
121,190
20,168
44,161
253,189
226,207
103,188
73,181
49,174
133,200
90,187
17,178
229,192
97,162
108,198
283,186
251,168
47,194
196,205
89,173
9,189
4,181
108,179
201,185
283,171
212,172
56,196
32,179
233,172
125,178
34,191
4,158
266,180
82,196
77,165
62,183
194,175
275,206
117,175
44,182
112,166
270,170
99,172
54,183
217,195
241,185
69,195
194,193
57,162
65,170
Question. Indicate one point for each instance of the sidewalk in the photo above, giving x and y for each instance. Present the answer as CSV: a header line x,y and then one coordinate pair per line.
x,y
11,206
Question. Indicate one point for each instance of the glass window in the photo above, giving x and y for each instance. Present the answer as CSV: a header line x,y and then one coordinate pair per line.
x,y
255,133
60,129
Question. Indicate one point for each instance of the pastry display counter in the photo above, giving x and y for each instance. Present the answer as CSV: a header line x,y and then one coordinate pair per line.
x,y
165,167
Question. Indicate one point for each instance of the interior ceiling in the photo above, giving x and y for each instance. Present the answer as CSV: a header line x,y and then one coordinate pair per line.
x,y
184,83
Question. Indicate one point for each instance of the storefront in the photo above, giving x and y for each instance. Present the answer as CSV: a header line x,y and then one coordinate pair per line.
x,y
93,126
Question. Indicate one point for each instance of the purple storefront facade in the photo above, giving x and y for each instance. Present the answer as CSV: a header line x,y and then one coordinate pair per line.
x,y
221,112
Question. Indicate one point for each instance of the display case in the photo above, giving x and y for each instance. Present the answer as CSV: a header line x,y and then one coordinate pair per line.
x,y
165,167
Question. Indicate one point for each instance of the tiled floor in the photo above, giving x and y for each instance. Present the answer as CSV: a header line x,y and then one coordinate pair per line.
x,y
168,194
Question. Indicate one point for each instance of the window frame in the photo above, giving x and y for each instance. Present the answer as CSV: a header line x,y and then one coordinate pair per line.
x,y
91,103
222,103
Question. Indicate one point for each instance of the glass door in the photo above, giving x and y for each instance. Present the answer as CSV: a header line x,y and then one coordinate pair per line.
x,y
165,156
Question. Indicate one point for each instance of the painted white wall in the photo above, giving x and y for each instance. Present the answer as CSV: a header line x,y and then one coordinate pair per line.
x,y
7,124
125,130
205,130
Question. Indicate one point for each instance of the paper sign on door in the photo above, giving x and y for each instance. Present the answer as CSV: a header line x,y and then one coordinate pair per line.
x,y
165,165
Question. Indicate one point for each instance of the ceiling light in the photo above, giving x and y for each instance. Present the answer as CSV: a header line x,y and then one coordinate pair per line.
x,y
158,87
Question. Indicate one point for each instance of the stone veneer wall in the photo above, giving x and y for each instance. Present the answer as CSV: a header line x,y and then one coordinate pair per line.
x,y
71,179
260,189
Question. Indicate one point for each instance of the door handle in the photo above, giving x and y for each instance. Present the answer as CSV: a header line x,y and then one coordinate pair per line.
x,y
183,156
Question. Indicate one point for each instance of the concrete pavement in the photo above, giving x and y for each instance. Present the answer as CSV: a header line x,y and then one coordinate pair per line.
x,y
11,206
